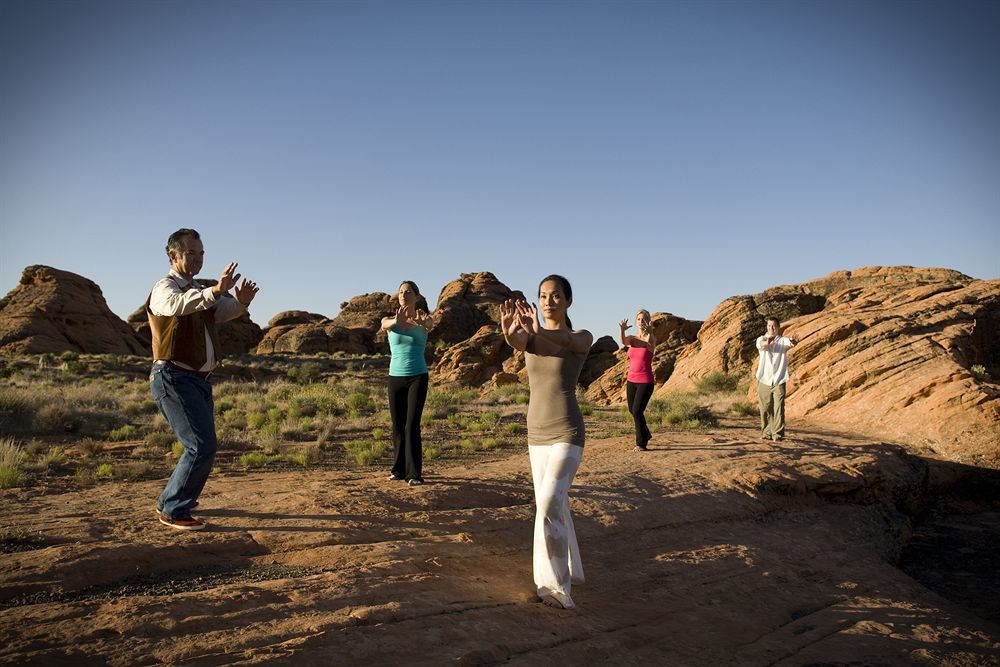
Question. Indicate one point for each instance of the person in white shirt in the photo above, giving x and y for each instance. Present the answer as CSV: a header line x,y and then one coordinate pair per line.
x,y
183,315
772,376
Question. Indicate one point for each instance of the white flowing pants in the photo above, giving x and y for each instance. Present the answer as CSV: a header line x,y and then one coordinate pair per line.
x,y
556,555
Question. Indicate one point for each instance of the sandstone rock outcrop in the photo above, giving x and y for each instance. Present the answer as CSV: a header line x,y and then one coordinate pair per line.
x,y
468,303
474,361
673,334
355,330
882,350
600,358
55,311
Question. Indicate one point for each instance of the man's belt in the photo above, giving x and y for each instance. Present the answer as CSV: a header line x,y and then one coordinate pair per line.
x,y
204,375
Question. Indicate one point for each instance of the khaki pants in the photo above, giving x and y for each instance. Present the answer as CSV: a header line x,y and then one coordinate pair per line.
x,y
772,410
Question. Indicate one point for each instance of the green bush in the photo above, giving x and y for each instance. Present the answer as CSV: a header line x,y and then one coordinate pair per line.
x,y
980,373
258,459
305,456
716,382
743,409
53,457
511,428
160,440
126,432
680,410
359,403
586,409
365,452
255,420
11,459
431,453
105,471
91,448
177,449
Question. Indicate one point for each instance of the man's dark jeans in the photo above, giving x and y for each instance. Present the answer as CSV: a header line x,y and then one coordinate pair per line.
x,y
185,400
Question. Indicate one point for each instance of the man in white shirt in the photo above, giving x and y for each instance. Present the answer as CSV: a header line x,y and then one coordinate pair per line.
x,y
183,315
772,375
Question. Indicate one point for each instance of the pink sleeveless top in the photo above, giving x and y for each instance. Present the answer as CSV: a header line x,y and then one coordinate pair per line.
x,y
640,364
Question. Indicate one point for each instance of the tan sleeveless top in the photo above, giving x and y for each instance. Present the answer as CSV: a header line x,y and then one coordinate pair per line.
x,y
553,413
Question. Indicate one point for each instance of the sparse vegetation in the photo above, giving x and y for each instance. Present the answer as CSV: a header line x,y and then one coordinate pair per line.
x,y
365,452
11,460
681,411
981,374
743,409
718,382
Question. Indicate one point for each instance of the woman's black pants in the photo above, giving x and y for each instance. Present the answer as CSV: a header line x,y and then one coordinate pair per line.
x,y
639,394
406,405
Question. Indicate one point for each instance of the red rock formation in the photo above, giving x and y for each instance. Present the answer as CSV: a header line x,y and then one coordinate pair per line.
x,y
474,361
355,330
468,303
56,311
600,358
887,352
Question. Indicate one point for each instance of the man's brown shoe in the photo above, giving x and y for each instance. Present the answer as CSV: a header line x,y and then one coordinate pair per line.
x,y
187,523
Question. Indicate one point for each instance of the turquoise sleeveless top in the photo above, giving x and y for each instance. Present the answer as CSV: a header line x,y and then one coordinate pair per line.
x,y
407,348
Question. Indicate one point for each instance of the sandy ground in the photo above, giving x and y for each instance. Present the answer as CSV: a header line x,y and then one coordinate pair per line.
x,y
712,549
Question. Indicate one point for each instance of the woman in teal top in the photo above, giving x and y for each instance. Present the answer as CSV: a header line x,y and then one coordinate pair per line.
x,y
408,381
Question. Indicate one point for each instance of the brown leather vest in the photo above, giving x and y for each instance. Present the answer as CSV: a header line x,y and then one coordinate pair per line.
x,y
182,337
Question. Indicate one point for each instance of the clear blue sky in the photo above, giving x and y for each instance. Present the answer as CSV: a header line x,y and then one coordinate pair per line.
x,y
663,155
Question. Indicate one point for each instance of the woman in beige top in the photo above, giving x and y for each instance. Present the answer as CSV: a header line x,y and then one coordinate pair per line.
x,y
554,355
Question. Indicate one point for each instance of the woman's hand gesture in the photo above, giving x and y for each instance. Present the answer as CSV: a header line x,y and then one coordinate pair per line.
x,y
508,317
625,326
527,316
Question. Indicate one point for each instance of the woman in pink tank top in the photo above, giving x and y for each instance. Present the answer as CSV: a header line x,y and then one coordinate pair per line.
x,y
639,382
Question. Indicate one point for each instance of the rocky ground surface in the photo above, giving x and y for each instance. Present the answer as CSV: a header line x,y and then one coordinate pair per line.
x,y
714,548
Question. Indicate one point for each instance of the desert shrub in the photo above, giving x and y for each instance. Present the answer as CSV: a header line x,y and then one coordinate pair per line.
x,y
53,457
274,415
467,444
91,448
511,428
743,409
490,443
680,410
69,355
11,459
160,440
35,449
359,403
133,472
84,476
19,539
980,373
442,402
586,409
364,452
258,459
16,413
255,420
431,453
305,456
104,471
717,381
308,372
125,432
55,418
511,393
269,436
177,449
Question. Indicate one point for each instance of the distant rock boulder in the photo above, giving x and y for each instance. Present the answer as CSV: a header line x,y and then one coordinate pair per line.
x,y
600,358
291,317
469,303
672,333
882,350
355,330
474,361
57,311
